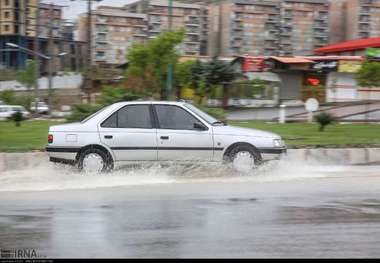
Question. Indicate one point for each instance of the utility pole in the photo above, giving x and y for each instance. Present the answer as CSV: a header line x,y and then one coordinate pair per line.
x,y
50,61
169,79
89,32
36,47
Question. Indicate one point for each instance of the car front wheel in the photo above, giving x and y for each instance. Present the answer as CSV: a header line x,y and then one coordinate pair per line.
x,y
244,158
95,161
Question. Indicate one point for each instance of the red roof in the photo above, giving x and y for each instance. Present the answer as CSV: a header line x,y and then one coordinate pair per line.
x,y
356,44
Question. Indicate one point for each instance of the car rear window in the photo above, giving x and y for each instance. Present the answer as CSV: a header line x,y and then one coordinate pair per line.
x,y
131,116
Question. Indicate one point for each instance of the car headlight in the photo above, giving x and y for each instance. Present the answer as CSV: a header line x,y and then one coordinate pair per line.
x,y
278,143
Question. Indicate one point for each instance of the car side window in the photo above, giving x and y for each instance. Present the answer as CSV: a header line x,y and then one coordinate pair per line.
x,y
132,116
175,118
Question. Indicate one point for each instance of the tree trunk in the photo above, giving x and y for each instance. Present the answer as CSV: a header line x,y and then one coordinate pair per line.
x,y
225,96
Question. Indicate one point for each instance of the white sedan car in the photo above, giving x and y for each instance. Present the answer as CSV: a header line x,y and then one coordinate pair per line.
x,y
135,132
6,111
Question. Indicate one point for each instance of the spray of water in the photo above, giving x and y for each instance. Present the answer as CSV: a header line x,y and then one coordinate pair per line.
x,y
45,176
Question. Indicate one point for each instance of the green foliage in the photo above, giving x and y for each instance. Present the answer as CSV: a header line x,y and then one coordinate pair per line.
x,y
82,111
27,76
206,78
324,119
369,74
148,62
25,101
218,72
112,95
7,96
183,74
17,118
217,113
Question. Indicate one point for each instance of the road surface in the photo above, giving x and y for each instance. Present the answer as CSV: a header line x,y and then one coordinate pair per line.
x,y
287,209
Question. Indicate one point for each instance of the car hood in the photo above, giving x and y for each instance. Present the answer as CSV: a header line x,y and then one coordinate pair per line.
x,y
239,131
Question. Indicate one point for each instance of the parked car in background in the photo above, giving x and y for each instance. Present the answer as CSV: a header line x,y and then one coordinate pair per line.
x,y
6,111
135,132
42,107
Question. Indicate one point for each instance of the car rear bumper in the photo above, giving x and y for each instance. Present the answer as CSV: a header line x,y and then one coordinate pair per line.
x,y
62,154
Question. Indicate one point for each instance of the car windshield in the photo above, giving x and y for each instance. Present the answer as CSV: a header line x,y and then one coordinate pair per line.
x,y
209,119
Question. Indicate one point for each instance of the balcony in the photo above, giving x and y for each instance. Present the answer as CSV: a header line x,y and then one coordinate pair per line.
x,y
238,26
236,43
365,10
192,22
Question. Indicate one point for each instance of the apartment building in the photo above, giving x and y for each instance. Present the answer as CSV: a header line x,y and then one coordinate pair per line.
x,y
50,17
244,27
18,25
191,17
17,16
304,26
114,31
362,19
269,27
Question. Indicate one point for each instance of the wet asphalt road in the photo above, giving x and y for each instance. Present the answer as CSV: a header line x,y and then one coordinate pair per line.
x,y
335,215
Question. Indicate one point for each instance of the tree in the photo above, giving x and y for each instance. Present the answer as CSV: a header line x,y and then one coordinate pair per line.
x,y
218,72
27,77
148,62
7,96
369,74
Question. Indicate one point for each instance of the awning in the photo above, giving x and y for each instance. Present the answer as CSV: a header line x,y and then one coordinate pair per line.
x,y
293,60
268,76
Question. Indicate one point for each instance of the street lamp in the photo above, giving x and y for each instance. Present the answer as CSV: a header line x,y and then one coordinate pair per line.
x,y
50,75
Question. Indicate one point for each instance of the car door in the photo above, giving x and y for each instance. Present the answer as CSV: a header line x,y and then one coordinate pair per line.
x,y
177,137
130,133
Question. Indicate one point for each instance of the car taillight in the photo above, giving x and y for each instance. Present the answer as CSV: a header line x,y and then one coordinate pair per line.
x,y
50,138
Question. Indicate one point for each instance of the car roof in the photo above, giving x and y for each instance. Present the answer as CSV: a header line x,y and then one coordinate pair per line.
x,y
151,102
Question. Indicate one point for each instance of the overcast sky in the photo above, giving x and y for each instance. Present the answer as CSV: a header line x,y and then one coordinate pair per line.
x,y
76,7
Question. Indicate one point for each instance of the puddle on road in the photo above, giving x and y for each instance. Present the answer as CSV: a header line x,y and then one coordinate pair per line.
x,y
46,176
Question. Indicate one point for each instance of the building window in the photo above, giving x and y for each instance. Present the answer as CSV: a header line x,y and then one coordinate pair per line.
x,y
6,14
6,2
6,28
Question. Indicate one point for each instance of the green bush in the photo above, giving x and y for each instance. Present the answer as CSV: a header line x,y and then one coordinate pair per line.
x,y
17,118
324,119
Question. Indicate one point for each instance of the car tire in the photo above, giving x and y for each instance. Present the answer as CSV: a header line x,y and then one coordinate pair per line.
x,y
247,151
100,161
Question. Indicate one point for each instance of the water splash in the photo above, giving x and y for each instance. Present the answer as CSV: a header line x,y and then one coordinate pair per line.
x,y
45,176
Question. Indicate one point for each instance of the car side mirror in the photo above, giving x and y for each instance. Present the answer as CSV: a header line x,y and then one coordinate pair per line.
x,y
200,127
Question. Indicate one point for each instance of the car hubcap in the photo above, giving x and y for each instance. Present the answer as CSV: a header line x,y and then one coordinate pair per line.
x,y
93,162
244,162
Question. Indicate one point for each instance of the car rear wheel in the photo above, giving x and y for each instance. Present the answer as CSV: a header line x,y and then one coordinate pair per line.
x,y
95,161
244,158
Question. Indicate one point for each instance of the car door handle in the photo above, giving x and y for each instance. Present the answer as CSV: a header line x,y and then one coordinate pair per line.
x,y
164,137
108,137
